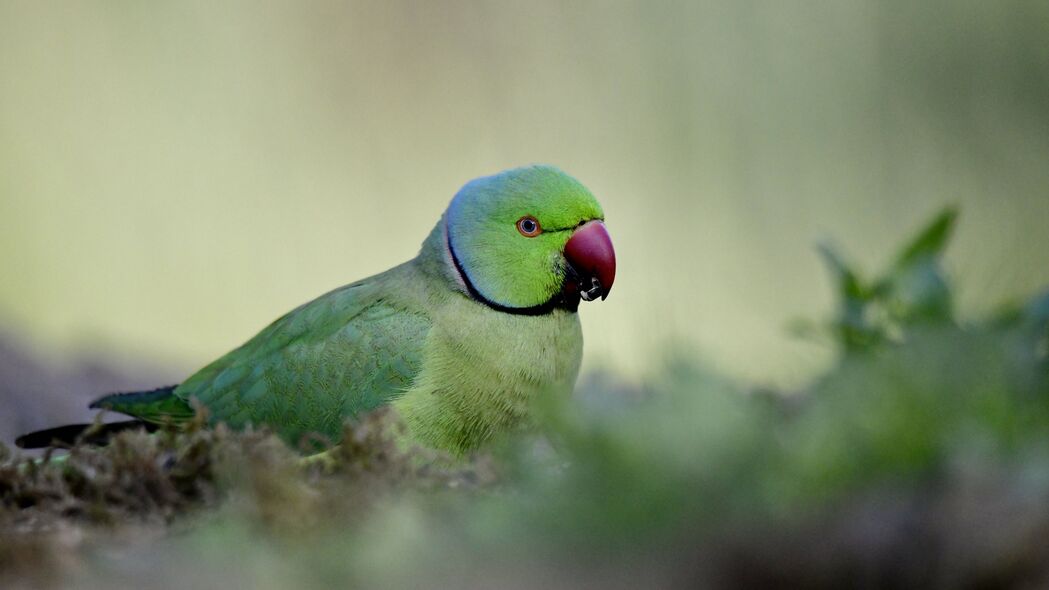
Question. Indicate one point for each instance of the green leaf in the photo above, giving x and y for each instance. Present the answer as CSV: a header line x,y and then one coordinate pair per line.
x,y
850,286
854,330
919,293
916,289
931,241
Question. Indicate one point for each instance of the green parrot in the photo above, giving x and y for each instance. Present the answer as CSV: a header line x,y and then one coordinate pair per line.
x,y
458,340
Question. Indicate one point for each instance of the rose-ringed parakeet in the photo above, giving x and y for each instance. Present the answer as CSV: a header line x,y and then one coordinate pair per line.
x,y
458,340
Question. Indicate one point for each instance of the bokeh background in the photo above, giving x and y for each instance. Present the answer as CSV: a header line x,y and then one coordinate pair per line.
x,y
173,176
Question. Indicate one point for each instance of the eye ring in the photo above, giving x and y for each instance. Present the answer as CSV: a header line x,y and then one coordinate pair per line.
x,y
529,226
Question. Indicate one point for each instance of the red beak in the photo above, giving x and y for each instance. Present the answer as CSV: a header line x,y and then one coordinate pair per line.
x,y
591,260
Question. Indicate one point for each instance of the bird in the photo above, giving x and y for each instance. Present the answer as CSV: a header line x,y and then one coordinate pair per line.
x,y
459,341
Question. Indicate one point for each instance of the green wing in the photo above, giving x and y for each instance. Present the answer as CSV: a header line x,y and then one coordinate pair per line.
x,y
346,352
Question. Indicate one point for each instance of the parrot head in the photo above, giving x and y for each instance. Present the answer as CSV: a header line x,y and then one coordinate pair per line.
x,y
528,240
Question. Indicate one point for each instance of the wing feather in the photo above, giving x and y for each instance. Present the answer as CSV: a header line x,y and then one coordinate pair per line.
x,y
343,353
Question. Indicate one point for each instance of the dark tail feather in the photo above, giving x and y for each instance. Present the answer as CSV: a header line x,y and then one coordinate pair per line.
x,y
93,434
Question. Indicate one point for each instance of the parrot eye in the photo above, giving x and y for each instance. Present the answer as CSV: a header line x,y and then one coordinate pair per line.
x,y
529,226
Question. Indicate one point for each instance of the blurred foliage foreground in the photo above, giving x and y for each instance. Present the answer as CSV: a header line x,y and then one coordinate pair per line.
x,y
920,459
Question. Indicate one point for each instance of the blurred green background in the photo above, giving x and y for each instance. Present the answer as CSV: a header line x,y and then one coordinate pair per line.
x,y
173,176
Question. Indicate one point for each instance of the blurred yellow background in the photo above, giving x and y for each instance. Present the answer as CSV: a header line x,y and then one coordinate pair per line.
x,y
173,176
